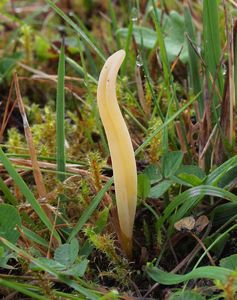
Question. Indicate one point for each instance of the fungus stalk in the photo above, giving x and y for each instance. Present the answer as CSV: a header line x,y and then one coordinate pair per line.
x,y
121,149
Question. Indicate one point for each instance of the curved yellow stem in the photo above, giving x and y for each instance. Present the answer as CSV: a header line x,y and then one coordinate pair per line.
x,y
121,149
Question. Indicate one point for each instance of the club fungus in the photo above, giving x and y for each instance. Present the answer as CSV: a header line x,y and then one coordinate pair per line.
x,y
121,149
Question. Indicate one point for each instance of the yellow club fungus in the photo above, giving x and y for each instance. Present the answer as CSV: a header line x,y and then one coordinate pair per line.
x,y
121,149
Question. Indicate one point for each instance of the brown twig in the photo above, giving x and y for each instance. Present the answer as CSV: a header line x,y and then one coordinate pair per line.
x,y
7,112
35,165
51,166
203,246
36,169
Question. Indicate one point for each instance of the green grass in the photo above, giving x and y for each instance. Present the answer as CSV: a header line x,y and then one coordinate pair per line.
x,y
212,52
27,192
74,251
60,112
194,64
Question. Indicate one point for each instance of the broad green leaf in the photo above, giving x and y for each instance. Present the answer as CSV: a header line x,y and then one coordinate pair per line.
x,y
49,263
175,39
186,295
66,254
9,220
171,162
144,186
189,175
189,179
193,170
229,262
141,35
78,270
159,189
173,31
153,172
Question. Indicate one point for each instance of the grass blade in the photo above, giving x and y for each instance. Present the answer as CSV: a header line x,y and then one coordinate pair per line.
x,y
163,53
7,193
27,193
167,74
193,59
24,289
60,117
221,171
90,209
76,28
127,44
79,69
32,236
215,273
114,23
189,199
212,46
165,124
